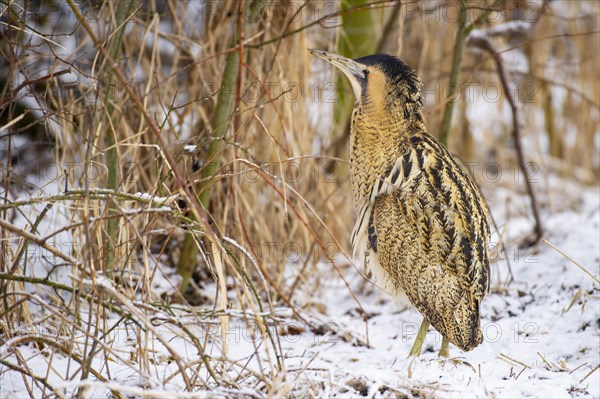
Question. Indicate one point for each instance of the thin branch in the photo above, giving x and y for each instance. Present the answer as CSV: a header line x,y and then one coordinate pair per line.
x,y
22,371
324,18
37,240
8,97
482,41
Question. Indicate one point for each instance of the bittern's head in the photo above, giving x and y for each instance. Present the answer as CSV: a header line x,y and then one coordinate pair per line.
x,y
381,80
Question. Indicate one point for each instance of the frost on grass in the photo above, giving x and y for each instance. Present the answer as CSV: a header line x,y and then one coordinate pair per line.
x,y
540,336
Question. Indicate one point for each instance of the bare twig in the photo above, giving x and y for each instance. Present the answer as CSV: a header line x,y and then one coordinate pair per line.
x,y
38,241
481,40
319,21
9,97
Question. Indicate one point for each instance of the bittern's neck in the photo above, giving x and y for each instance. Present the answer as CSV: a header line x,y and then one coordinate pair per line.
x,y
378,137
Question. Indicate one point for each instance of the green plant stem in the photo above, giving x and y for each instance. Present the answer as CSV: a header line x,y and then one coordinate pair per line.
x,y
326,17
123,11
222,117
358,37
221,120
459,45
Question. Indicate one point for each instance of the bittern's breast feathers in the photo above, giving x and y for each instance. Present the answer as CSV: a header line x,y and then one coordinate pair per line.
x,y
427,222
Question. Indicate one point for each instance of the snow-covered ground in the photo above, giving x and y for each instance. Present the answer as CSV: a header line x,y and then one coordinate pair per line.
x,y
541,330
541,337
541,333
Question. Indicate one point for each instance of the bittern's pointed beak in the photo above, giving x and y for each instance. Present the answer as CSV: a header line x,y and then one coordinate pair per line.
x,y
353,70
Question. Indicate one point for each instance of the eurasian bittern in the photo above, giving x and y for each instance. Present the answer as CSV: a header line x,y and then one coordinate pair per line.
x,y
422,223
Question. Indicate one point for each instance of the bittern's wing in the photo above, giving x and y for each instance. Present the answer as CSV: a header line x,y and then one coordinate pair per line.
x,y
429,228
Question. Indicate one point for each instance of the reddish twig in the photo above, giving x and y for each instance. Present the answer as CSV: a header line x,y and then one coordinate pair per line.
x,y
8,97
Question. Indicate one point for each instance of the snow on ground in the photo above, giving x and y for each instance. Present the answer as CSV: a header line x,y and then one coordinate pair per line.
x,y
541,336
533,346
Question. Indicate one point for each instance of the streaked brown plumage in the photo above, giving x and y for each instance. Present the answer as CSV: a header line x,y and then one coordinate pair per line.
x,y
422,223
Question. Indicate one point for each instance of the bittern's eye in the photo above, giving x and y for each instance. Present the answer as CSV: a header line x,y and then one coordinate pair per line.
x,y
366,71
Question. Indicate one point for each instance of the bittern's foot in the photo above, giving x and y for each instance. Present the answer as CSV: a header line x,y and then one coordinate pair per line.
x,y
416,348
444,349
444,355
455,361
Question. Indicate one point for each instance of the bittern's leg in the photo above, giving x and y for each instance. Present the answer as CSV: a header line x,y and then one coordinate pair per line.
x,y
416,348
444,352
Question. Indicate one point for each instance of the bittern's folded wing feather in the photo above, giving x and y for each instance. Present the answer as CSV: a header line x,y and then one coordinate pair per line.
x,y
428,225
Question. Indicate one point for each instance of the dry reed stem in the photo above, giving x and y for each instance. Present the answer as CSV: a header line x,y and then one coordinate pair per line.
x,y
167,76
586,271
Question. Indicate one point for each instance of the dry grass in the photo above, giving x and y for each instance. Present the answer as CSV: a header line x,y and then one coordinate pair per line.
x,y
278,205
